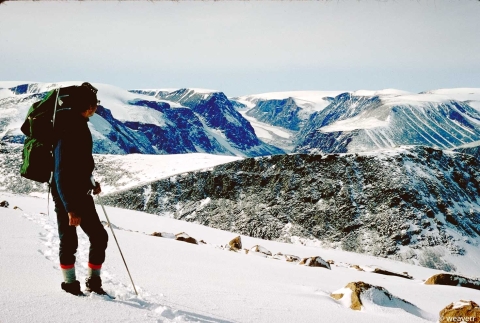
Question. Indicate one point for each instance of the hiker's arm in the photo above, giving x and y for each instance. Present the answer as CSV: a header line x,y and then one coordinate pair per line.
x,y
66,173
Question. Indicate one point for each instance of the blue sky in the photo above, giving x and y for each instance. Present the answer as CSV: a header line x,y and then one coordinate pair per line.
x,y
245,47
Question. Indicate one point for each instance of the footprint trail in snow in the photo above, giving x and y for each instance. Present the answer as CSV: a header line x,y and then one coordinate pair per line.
x,y
155,309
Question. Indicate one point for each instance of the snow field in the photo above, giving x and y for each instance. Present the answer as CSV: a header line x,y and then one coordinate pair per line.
x,y
135,169
180,282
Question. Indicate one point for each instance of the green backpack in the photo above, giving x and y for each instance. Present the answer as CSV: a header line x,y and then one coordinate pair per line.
x,y
39,131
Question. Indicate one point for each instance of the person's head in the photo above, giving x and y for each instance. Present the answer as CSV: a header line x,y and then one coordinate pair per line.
x,y
87,101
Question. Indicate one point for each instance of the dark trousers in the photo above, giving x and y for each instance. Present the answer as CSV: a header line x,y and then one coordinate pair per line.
x,y
90,224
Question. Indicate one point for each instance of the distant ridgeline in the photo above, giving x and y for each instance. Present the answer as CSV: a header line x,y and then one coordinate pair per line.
x,y
182,122
415,204
197,120
328,122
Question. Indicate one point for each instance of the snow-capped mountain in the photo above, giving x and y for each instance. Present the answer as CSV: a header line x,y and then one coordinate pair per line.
x,y
367,120
129,122
415,204
277,116
471,96
289,110
219,115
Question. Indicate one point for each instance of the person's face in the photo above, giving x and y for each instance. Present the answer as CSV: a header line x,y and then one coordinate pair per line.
x,y
90,112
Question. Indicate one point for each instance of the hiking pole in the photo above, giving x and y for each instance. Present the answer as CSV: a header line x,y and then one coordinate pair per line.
x,y
113,233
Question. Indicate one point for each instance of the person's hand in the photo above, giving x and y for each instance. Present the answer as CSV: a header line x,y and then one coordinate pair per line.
x,y
73,219
97,189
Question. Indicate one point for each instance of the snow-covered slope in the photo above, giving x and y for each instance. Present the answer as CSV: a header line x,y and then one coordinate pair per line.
x,y
115,172
366,120
274,135
182,282
129,122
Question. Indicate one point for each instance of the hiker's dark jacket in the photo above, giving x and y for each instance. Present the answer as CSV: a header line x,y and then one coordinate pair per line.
x,y
73,159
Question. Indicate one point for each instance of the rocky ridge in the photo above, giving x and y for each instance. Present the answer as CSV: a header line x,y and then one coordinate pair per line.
x,y
415,204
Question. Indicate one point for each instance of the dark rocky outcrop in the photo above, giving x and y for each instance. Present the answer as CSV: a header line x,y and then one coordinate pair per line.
x,y
403,197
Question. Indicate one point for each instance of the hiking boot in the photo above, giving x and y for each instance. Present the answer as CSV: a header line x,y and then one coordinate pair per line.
x,y
73,288
94,284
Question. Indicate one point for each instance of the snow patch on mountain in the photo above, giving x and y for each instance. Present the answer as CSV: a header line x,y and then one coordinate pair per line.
x,y
384,92
355,123
307,100
459,94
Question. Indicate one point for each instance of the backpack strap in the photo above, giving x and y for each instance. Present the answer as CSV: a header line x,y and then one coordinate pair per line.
x,y
51,174
55,108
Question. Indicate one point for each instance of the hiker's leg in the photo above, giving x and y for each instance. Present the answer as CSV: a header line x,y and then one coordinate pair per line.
x,y
68,239
97,234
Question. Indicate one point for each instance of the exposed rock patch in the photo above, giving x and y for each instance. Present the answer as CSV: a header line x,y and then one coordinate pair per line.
x,y
461,311
287,258
357,267
315,262
164,235
261,250
185,237
453,280
235,244
360,295
391,273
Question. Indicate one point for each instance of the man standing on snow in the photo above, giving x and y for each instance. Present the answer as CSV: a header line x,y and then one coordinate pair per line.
x,y
72,186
